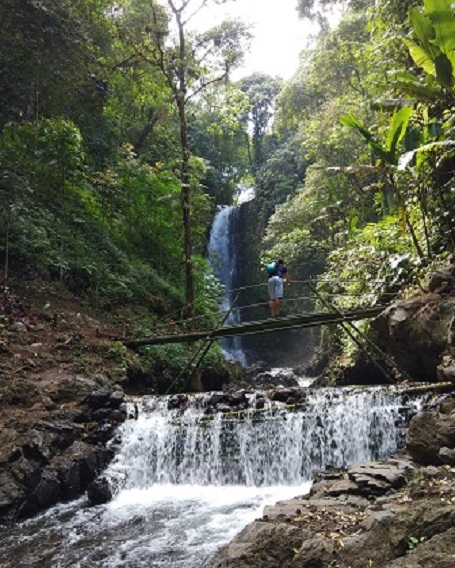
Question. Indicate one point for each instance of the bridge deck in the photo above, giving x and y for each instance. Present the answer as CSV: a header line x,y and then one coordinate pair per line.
x,y
263,326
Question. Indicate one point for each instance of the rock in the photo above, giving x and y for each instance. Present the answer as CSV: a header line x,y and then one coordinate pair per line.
x,y
443,280
436,552
18,327
379,477
97,399
99,491
263,544
116,399
417,333
447,455
429,432
446,370
379,532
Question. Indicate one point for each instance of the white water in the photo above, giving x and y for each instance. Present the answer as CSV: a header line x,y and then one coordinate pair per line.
x,y
186,485
223,261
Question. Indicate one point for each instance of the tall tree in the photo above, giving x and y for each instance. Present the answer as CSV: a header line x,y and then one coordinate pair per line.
x,y
190,62
261,91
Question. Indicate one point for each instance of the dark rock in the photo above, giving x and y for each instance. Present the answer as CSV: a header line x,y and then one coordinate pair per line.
x,y
99,491
45,494
282,395
97,399
218,398
69,476
116,399
101,435
417,333
443,280
259,404
237,398
429,432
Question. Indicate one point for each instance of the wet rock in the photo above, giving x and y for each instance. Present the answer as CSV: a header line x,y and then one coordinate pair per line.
x,y
46,461
101,435
179,401
217,398
99,491
238,398
45,493
259,404
69,476
116,399
97,399
282,395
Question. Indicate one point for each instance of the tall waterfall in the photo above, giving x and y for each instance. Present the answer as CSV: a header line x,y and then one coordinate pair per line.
x,y
223,260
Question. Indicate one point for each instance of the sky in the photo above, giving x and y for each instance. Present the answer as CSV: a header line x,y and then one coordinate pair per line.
x,y
279,34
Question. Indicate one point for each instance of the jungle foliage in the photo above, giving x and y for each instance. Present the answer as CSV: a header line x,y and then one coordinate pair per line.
x,y
120,133
370,113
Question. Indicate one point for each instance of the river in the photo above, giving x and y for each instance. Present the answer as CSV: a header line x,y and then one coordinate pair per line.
x,y
185,483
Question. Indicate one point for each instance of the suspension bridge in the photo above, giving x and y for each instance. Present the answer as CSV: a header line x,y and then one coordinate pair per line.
x,y
327,314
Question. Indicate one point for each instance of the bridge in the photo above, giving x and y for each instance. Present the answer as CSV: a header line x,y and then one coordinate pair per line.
x,y
187,331
332,315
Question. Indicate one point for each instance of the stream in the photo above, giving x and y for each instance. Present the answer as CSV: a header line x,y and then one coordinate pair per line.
x,y
186,482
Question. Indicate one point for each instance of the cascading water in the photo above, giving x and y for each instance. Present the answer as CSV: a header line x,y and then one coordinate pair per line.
x,y
186,481
223,260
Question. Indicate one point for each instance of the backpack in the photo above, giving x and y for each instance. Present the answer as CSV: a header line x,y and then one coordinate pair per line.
x,y
271,269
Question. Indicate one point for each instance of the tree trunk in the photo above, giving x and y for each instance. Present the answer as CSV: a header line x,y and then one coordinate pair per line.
x,y
196,383
180,96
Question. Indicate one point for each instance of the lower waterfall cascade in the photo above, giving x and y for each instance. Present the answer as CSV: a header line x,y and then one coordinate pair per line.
x,y
185,481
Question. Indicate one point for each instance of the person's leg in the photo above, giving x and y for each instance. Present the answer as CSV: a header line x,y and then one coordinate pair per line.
x,y
277,307
278,295
271,290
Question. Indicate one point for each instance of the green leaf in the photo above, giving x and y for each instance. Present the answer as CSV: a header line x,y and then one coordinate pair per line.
x,y
353,122
422,26
421,56
444,70
442,17
397,130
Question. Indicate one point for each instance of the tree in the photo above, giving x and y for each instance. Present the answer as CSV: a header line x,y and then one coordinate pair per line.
x,y
261,91
190,63
49,53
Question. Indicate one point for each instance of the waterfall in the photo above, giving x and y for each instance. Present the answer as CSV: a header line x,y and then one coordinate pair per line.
x,y
223,260
187,481
275,446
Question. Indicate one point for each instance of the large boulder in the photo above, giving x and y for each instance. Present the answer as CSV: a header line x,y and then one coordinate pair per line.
x,y
417,333
431,435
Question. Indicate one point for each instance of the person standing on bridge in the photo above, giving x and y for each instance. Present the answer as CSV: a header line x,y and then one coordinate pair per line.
x,y
278,274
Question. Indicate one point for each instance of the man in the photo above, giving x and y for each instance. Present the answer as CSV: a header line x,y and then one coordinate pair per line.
x,y
277,275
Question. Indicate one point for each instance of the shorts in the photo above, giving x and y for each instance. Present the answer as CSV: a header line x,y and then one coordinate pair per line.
x,y
275,285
